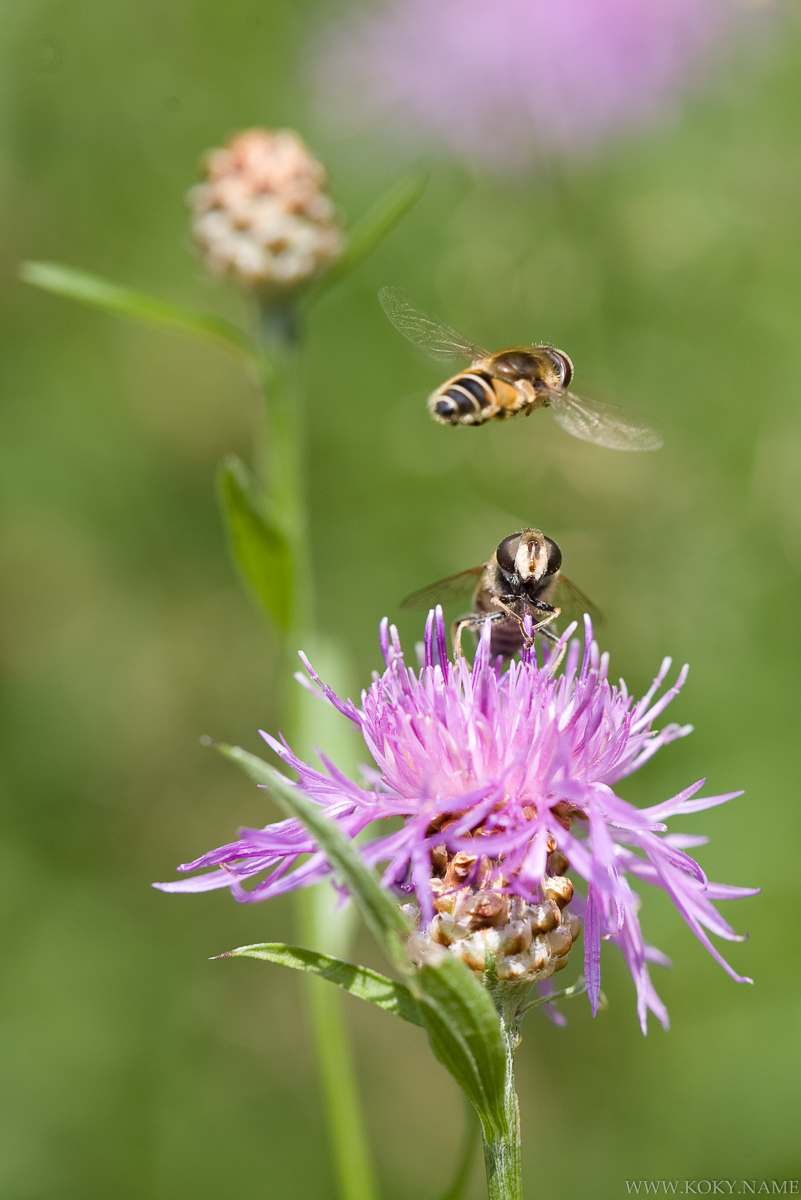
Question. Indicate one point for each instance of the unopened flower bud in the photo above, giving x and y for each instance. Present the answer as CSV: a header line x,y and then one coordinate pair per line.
x,y
262,215
544,916
539,955
559,940
473,951
483,909
559,889
460,866
439,858
573,923
515,937
411,912
557,862
444,929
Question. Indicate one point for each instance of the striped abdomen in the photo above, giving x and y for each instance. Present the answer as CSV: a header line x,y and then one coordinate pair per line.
x,y
467,399
475,397
506,638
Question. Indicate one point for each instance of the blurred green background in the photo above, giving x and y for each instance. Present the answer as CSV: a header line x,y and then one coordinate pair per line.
x,y
670,269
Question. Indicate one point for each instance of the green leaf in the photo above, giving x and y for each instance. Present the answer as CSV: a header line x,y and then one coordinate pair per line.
x,y
463,1026
258,547
382,915
465,1033
78,285
359,981
374,226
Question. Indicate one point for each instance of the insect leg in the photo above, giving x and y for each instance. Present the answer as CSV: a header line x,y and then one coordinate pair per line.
x,y
510,612
540,627
469,622
543,631
456,635
556,663
528,642
548,634
540,605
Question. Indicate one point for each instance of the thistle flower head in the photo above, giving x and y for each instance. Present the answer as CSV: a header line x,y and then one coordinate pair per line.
x,y
262,215
504,780
497,82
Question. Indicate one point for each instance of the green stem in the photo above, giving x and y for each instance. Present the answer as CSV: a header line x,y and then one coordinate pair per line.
x,y
502,1143
280,454
340,1093
281,474
466,1156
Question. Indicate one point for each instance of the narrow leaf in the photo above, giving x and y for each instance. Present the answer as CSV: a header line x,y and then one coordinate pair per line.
x,y
380,912
374,226
78,285
259,549
465,1034
463,1026
359,981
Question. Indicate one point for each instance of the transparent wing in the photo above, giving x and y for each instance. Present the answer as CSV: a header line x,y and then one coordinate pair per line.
x,y
604,424
444,590
440,341
573,603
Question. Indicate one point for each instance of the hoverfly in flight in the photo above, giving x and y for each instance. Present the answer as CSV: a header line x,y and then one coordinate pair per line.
x,y
497,386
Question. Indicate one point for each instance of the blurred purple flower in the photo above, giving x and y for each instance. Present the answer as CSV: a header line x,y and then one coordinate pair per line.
x,y
495,80
524,760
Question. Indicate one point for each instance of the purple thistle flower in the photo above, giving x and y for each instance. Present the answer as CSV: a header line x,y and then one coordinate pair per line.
x,y
494,81
503,778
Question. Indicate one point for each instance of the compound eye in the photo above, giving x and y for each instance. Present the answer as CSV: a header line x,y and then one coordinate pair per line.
x,y
506,552
554,556
567,368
